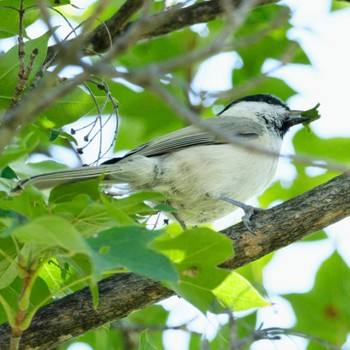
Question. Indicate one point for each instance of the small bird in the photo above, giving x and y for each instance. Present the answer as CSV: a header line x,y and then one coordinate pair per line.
x,y
200,173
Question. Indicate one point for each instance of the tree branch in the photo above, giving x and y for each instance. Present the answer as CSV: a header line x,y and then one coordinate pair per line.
x,y
121,294
100,39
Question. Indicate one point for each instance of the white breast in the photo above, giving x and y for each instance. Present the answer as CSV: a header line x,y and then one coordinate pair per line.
x,y
192,177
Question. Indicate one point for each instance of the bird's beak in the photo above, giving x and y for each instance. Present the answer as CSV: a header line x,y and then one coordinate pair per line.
x,y
295,118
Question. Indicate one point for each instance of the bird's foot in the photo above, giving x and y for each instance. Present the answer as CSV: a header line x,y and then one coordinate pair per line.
x,y
249,211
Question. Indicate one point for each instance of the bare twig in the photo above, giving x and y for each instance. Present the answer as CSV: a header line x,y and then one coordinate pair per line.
x,y
274,333
22,77
98,120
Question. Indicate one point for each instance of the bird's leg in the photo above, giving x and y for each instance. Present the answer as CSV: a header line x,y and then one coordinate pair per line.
x,y
249,211
182,223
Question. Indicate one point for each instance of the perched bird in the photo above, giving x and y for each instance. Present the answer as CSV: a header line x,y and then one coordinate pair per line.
x,y
200,173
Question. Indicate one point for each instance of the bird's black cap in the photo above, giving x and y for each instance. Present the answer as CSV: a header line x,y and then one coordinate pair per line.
x,y
272,100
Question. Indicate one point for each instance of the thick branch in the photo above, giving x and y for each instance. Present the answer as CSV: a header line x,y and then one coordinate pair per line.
x,y
100,39
121,294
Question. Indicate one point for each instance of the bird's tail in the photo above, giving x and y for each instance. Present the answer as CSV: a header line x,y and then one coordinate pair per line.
x,y
60,177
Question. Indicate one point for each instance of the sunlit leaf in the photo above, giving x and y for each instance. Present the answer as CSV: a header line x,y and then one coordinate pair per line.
x,y
313,114
197,253
325,310
236,293
9,66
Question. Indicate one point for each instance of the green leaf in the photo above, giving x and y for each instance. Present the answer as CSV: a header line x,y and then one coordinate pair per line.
x,y
262,37
52,275
325,310
159,49
90,212
154,315
194,246
54,134
145,342
38,294
135,203
339,5
71,107
29,203
8,273
245,296
139,197
9,66
164,208
313,114
334,149
56,3
61,277
197,253
87,216
260,40
66,192
274,86
8,254
302,183
119,215
253,271
128,247
8,173
9,25
14,151
49,232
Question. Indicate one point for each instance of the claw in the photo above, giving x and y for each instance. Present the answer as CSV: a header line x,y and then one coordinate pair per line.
x,y
249,211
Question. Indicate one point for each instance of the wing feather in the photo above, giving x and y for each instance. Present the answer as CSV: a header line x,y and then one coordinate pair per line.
x,y
196,136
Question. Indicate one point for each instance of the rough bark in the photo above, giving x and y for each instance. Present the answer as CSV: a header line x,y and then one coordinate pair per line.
x,y
121,294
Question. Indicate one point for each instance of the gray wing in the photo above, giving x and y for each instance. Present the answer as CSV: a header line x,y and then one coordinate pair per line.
x,y
196,136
